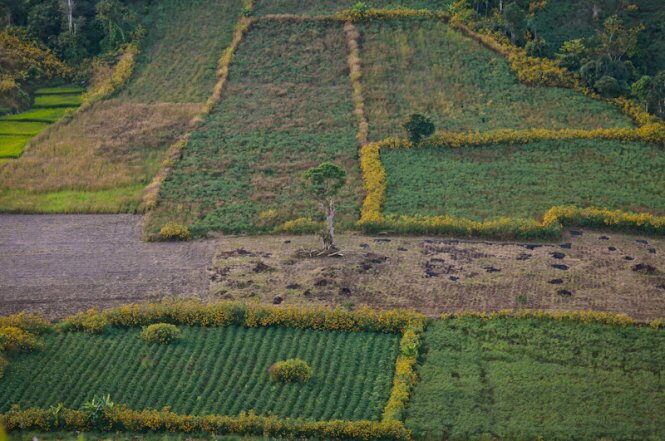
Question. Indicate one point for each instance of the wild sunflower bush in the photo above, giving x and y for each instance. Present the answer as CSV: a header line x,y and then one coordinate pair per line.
x,y
161,333
293,370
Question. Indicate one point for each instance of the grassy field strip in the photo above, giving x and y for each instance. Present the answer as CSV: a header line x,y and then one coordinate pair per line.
x,y
326,7
286,107
524,181
11,146
532,378
179,60
44,115
219,371
428,67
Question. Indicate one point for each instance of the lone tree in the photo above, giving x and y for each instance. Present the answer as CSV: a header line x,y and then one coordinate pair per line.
x,y
418,127
323,183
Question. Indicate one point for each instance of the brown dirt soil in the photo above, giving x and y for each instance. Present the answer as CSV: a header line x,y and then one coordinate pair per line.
x,y
436,275
60,264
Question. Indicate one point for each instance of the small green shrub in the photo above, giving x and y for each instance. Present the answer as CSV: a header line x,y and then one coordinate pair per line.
x,y
172,231
293,370
161,333
418,127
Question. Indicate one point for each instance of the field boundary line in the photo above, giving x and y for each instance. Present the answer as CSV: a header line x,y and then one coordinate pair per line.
x,y
355,74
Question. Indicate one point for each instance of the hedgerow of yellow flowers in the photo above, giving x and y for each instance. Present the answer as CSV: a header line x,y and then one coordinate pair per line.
x,y
119,77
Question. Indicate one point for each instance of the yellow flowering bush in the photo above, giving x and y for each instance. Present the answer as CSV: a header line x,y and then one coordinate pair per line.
x,y
90,321
293,370
173,231
161,333
30,322
302,225
16,339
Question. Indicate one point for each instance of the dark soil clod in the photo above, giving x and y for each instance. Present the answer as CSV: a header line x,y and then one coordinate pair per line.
x,y
382,240
345,291
401,249
560,267
661,286
453,278
642,241
566,245
293,286
532,246
603,238
277,300
491,269
564,293
652,250
644,268
429,273
576,233
322,282
556,281
261,267
557,255
307,293
628,258
524,256
287,241
611,248
364,245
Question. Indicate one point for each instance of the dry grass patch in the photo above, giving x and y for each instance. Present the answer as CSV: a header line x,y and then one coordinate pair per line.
x,y
613,272
111,145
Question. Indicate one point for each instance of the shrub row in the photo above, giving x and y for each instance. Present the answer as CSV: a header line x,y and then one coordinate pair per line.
x,y
586,317
121,74
19,332
123,419
368,14
374,178
405,372
191,312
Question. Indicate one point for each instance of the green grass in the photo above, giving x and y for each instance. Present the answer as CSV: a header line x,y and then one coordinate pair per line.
x,y
60,90
286,108
219,371
523,378
427,67
324,7
11,146
524,180
21,127
47,115
184,42
64,100
567,19
116,200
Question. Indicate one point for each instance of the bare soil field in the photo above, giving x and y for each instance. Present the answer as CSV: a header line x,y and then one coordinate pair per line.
x,y
587,270
57,265
60,264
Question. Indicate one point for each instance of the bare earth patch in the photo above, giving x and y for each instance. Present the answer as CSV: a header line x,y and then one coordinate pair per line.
x,y
60,264
622,274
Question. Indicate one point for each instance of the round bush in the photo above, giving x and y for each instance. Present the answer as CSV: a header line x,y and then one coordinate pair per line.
x,y
293,370
173,231
161,333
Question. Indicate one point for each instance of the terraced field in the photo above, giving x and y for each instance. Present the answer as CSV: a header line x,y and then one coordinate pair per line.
x,y
324,7
428,67
50,105
539,379
524,181
209,371
287,107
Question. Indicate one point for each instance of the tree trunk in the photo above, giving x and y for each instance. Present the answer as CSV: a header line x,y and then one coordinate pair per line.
x,y
501,6
595,12
328,235
70,16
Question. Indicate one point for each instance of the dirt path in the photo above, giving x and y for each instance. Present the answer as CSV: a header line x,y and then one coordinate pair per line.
x,y
59,264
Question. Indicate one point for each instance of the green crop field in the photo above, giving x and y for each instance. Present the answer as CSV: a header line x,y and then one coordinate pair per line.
x,y
184,42
47,115
524,180
58,100
324,7
21,127
59,90
427,67
221,371
287,107
528,378
11,146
